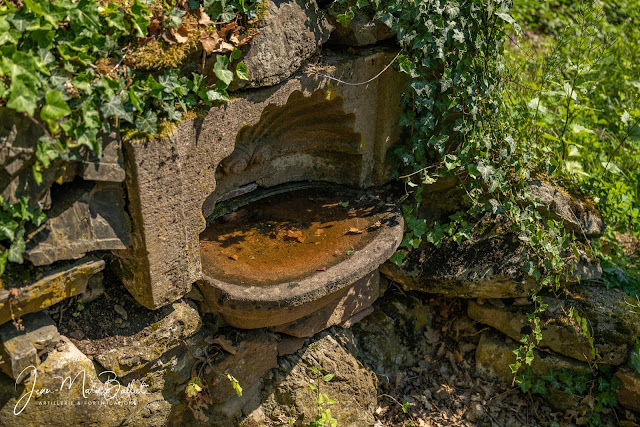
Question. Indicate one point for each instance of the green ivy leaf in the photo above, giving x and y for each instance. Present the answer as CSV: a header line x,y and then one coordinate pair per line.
x,y
139,18
174,18
113,107
221,71
56,107
242,71
16,250
148,122
23,99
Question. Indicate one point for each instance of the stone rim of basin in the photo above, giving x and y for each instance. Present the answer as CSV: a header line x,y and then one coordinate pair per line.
x,y
249,306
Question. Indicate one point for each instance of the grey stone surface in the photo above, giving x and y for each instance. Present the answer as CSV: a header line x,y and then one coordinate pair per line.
x,y
360,296
578,215
18,136
290,34
139,351
171,181
22,348
613,326
48,288
392,337
110,167
363,30
254,355
94,289
85,218
287,394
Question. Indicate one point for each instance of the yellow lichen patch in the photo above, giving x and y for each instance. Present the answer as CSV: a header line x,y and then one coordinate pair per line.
x,y
330,92
262,10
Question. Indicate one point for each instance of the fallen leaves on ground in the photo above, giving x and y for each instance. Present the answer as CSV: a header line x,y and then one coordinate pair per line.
x,y
446,390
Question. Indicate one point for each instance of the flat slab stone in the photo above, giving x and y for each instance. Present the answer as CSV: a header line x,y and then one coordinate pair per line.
x,y
55,285
110,167
179,321
489,265
77,395
22,348
578,215
89,217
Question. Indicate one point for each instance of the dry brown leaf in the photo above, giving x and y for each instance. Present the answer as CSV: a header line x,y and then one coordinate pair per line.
x,y
225,47
210,42
203,18
295,235
229,28
225,344
155,26
458,356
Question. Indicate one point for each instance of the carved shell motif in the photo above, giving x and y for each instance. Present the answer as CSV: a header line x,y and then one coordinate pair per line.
x,y
303,124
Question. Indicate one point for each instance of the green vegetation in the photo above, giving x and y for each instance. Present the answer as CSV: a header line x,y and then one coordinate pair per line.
x,y
323,417
573,98
70,66
598,386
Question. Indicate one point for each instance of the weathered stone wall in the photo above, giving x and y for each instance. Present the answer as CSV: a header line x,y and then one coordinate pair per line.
x,y
139,210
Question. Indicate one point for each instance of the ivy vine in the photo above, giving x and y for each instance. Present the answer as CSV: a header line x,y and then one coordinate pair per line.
x,y
67,65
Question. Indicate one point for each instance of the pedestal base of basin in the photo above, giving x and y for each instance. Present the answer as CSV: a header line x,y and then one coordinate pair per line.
x,y
348,302
309,257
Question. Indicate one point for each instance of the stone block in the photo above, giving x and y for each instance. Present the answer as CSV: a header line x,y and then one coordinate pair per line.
x,y
613,326
392,337
289,34
256,353
77,395
171,181
110,167
359,296
629,392
495,353
488,265
363,30
22,348
87,217
578,215
179,322
53,286
287,395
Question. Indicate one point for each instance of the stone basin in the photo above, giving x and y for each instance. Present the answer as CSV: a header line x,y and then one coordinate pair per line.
x,y
282,257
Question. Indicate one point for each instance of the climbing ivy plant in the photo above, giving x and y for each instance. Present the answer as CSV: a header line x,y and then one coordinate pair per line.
x,y
457,127
66,66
